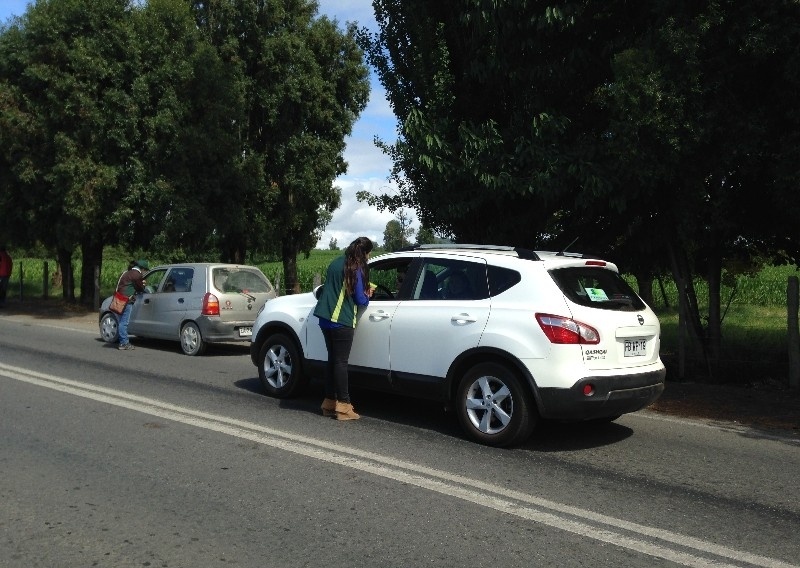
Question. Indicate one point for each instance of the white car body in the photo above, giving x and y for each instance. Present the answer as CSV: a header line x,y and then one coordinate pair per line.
x,y
425,347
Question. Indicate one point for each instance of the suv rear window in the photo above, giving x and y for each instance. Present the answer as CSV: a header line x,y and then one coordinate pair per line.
x,y
597,288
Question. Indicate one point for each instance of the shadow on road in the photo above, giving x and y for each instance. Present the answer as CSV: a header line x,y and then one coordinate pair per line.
x,y
432,416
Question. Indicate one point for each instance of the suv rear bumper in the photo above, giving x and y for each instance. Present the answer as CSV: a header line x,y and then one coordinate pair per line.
x,y
612,396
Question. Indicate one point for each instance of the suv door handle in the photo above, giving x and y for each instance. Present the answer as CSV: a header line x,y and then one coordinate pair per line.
x,y
461,319
379,315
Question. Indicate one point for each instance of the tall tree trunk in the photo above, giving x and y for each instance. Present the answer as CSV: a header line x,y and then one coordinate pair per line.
x,y
685,280
289,251
64,258
234,252
714,333
645,284
92,254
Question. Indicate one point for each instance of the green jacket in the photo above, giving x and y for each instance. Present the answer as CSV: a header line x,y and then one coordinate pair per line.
x,y
334,304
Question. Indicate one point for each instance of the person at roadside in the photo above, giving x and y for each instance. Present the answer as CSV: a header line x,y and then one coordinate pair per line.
x,y
130,283
346,287
5,273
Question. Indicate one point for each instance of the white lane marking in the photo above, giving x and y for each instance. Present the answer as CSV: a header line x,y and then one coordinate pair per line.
x,y
82,327
507,501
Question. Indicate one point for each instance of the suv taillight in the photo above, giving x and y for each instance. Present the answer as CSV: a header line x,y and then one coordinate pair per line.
x,y
210,305
563,330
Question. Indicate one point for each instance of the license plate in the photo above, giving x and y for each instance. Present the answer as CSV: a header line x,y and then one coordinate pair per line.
x,y
245,331
635,347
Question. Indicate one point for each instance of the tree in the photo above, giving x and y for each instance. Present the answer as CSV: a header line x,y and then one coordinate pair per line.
x,y
304,83
70,112
189,164
425,236
704,125
333,244
398,232
122,120
494,103
392,236
665,133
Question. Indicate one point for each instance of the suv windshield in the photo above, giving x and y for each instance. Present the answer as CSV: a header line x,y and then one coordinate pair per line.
x,y
597,288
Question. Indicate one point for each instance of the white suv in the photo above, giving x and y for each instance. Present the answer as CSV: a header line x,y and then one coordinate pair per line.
x,y
503,335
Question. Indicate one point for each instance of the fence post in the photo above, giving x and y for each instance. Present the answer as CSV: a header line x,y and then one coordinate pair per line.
x,y
21,282
317,280
792,303
681,329
45,281
96,295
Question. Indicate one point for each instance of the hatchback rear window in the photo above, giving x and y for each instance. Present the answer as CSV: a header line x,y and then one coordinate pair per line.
x,y
597,288
237,280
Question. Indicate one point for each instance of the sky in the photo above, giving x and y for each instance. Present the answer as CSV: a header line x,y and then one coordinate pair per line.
x,y
368,168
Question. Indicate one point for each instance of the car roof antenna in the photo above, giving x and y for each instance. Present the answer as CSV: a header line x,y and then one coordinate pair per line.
x,y
564,250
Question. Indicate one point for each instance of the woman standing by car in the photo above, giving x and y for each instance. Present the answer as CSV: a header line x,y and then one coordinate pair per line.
x,y
346,287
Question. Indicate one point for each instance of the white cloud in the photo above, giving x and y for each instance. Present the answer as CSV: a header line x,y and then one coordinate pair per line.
x,y
368,167
355,219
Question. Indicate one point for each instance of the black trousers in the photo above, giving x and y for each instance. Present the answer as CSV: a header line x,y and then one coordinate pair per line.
x,y
338,341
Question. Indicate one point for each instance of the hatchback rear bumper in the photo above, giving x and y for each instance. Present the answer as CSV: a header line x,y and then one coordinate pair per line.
x,y
214,330
611,396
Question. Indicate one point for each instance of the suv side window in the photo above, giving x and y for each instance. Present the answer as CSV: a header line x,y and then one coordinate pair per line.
x,y
445,279
501,279
390,277
597,288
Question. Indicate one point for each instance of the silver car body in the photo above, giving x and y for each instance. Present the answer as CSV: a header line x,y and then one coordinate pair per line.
x,y
172,305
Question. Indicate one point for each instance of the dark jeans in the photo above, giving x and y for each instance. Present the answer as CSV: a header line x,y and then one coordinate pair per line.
x,y
338,341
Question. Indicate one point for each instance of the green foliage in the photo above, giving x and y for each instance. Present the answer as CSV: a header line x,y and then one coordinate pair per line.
x,y
425,236
175,127
494,104
661,135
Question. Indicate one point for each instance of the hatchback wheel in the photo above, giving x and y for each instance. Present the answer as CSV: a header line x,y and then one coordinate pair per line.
x,y
494,407
279,366
109,330
191,340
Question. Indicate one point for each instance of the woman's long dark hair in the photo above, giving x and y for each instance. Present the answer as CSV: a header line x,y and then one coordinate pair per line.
x,y
355,258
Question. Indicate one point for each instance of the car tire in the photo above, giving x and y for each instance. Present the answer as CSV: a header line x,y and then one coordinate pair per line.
x,y
279,366
494,407
109,328
192,341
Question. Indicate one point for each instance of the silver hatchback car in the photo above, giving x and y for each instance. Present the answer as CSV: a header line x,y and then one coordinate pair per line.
x,y
194,303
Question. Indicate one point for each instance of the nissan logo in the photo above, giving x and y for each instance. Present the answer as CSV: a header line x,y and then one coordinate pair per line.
x,y
641,319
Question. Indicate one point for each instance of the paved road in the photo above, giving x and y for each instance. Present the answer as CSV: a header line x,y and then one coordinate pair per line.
x,y
153,458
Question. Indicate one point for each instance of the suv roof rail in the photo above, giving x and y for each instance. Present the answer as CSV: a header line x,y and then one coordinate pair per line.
x,y
523,253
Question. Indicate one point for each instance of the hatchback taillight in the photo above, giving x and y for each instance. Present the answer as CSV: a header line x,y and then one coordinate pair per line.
x,y
563,330
210,305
